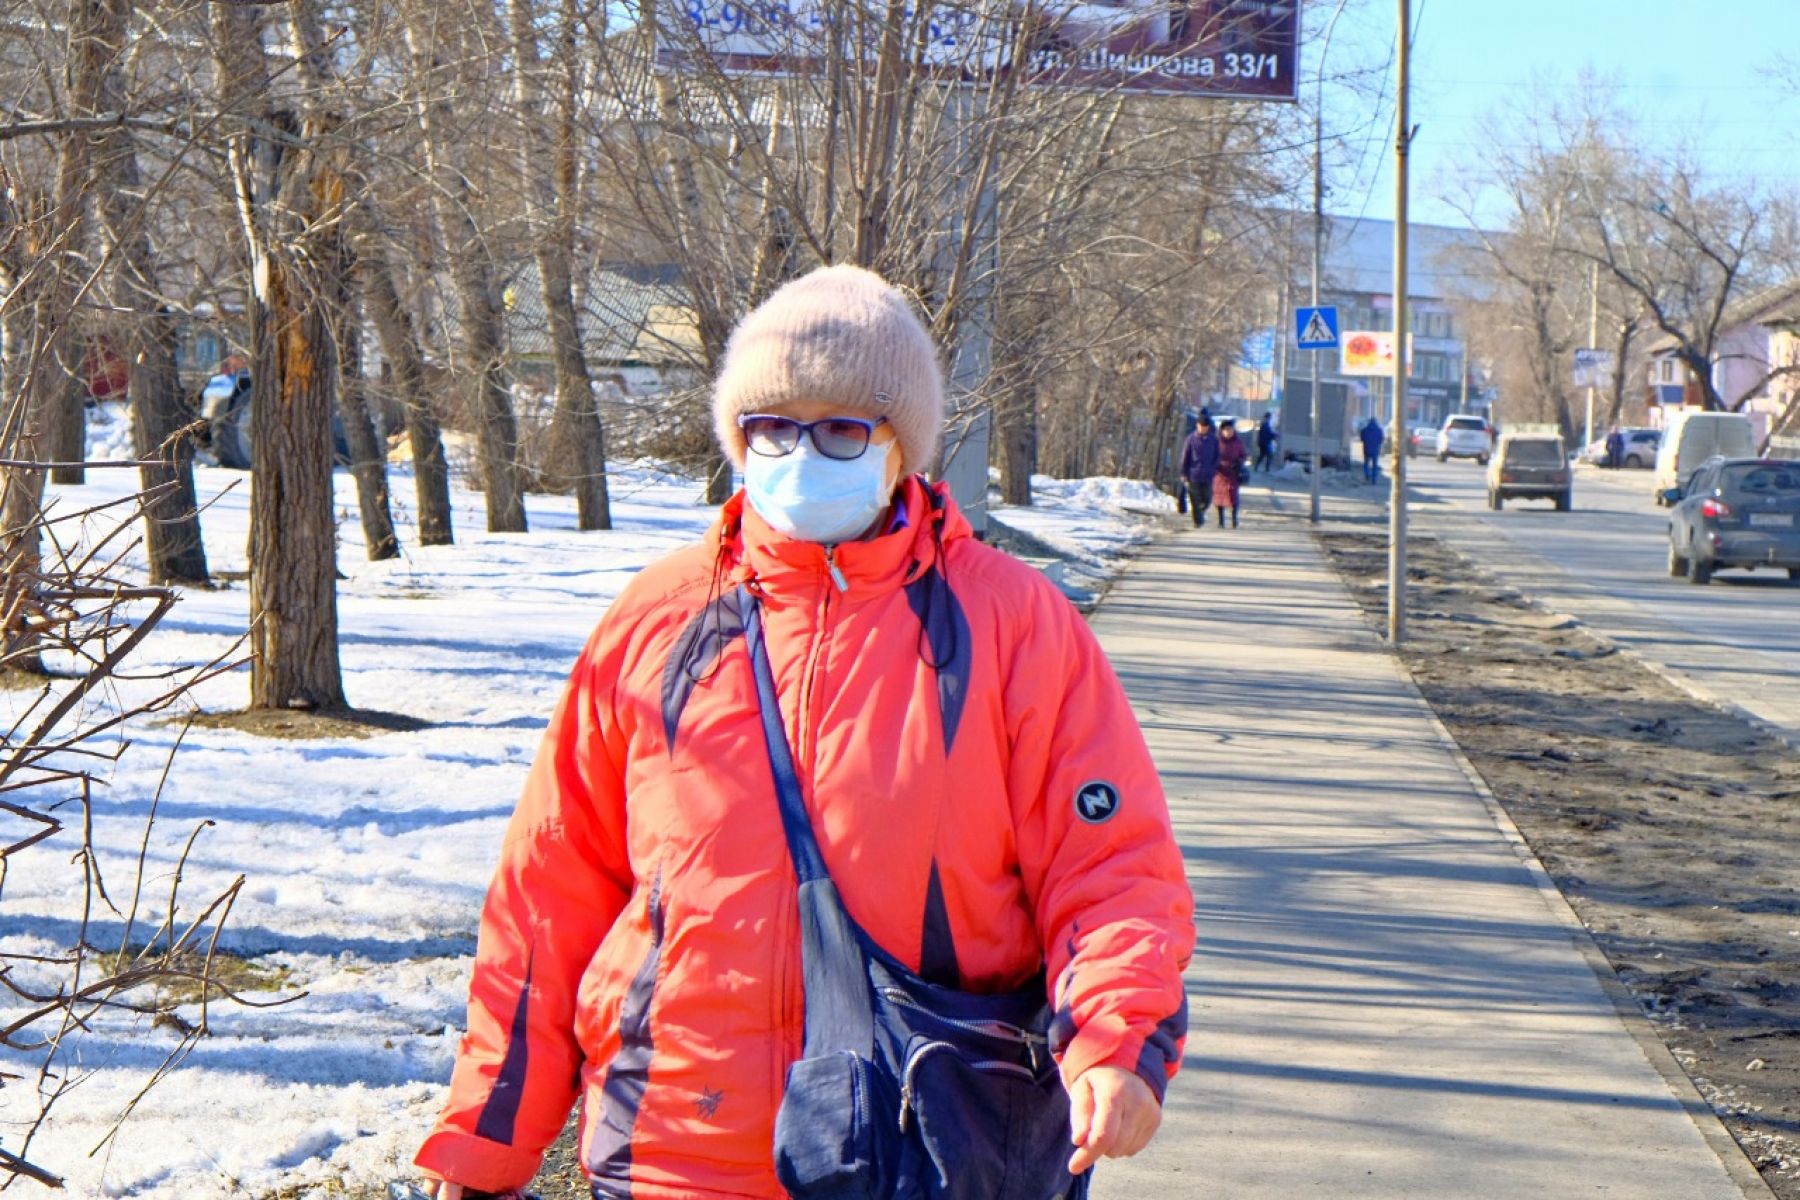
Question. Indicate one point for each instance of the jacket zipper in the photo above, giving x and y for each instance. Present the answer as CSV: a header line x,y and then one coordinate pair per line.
x,y
806,750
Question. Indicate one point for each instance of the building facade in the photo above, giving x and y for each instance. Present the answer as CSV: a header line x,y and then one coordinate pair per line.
x,y
1357,276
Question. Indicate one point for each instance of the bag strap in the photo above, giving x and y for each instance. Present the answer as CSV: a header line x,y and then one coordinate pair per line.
x,y
839,1008
809,862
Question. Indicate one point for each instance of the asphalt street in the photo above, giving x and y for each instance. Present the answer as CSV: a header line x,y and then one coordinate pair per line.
x,y
1735,641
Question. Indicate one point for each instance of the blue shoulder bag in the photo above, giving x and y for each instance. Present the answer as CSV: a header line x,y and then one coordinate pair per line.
x,y
905,1090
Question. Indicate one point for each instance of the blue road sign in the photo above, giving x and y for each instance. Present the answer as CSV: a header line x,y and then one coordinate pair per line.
x,y
1317,328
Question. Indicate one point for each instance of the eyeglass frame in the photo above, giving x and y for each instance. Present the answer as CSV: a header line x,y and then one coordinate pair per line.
x,y
804,429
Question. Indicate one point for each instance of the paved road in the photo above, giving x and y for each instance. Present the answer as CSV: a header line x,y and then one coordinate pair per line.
x,y
1735,641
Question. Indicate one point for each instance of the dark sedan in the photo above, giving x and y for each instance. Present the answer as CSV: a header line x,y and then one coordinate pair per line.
x,y
1736,513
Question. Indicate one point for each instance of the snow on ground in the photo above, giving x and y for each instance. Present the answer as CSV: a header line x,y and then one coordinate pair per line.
x,y
365,858
1096,522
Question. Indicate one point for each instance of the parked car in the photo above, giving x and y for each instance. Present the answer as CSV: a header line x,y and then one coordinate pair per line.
x,y
1417,439
1691,437
1736,512
230,419
1530,466
1464,437
225,407
1639,452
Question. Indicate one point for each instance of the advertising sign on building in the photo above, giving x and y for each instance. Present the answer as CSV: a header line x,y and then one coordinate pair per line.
x,y
1245,48
1370,352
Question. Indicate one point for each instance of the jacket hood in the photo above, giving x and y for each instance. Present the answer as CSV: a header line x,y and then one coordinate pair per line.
x,y
921,522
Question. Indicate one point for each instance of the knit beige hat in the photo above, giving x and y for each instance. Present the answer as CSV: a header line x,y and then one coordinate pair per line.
x,y
840,335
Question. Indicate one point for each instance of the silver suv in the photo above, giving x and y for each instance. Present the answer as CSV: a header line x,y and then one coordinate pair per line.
x,y
1464,437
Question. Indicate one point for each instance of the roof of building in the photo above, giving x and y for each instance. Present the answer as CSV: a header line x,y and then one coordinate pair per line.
x,y
1359,257
625,313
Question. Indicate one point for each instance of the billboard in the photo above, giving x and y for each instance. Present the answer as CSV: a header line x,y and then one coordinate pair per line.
x,y
1370,352
1594,368
1245,48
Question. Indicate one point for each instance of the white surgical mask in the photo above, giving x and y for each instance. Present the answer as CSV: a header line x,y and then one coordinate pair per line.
x,y
817,499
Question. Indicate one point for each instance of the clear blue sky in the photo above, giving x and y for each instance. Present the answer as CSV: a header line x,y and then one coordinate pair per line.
x,y
1685,69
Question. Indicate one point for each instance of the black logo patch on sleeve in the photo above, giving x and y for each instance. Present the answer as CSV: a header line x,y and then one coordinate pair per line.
x,y
1096,802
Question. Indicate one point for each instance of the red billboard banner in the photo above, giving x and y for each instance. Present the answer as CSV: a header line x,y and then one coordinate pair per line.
x,y
1241,48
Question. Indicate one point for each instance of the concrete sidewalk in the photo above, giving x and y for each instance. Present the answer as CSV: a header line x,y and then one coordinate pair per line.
x,y
1389,998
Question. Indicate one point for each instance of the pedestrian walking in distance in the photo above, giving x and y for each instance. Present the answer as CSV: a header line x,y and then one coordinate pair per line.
x,y
1265,444
843,867
1372,438
1234,462
1199,463
1615,448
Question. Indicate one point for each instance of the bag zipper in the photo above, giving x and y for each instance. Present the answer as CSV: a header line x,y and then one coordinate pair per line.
x,y
918,1056
995,1029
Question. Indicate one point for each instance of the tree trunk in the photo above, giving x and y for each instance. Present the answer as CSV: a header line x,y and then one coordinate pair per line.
x,y
172,539
65,422
63,417
293,538
283,189
400,345
172,517
21,487
479,315
496,433
1616,405
577,437
368,462
1018,445
577,454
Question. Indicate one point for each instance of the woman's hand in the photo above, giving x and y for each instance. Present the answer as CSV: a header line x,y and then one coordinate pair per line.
x,y
1112,1114
446,1191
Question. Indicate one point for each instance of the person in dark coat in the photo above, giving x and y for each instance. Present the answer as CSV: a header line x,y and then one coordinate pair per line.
x,y
1615,448
1372,437
1233,463
1265,444
1199,462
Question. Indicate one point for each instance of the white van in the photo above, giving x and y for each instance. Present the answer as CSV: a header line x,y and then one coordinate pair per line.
x,y
1691,437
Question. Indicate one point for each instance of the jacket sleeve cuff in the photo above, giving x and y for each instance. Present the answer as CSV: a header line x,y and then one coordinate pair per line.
x,y
476,1162
1111,1042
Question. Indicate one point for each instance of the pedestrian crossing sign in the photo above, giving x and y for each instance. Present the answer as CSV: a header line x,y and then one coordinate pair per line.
x,y
1317,328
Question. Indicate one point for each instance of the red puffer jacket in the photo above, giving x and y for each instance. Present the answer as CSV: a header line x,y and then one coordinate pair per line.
x,y
978,784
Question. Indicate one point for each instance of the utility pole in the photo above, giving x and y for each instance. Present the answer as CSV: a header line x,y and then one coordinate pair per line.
x,y
965,454
1318,252
1593,343
1402,320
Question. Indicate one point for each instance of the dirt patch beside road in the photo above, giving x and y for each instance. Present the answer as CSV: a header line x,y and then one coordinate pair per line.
x,y
1664,821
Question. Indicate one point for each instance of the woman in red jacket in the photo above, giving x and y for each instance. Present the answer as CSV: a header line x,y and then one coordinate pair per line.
x,y
1233,456
970,767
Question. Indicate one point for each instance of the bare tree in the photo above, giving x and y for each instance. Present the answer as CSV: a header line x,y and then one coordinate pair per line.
x,y
1684,250
547,164
430,33
172,523
290,199
93,620
397,331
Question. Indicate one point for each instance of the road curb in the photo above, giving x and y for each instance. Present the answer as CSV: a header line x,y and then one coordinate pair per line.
x,y
1686,1093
